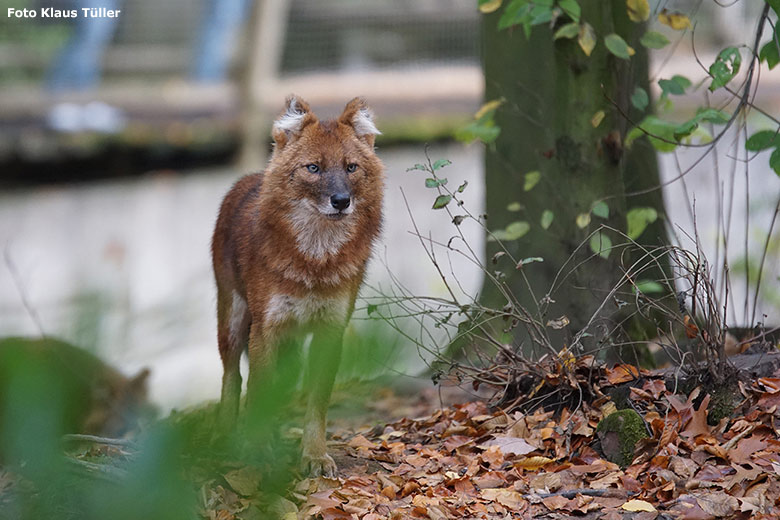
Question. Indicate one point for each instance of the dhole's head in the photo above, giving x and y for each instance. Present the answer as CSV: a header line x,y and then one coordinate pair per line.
x,y
326,169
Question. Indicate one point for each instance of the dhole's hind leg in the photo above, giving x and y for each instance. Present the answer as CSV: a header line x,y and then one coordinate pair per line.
x,y
233,330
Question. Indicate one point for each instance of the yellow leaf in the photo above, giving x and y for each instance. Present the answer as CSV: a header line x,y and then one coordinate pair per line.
x,y
631,51
583,219
587,38
533,463
492,5
608,408
487,107
638,505
597,118
676,21
638,10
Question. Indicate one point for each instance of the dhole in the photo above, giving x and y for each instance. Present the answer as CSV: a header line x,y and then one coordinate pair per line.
x,y
82,394
290,250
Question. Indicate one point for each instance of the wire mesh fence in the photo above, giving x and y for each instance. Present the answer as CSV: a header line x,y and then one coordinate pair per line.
x,y
165,40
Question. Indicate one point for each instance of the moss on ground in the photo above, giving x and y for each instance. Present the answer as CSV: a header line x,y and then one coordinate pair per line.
x,y
619,432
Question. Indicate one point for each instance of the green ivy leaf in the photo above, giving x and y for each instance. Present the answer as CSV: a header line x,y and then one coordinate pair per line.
x,y
571,8
601,210
435,183
763,140
547,219
531,180
769,52
441,201
774,161
660,132
601,244
711,115
654,40
640,99
618,46
570,30
638,219
676,85
725,67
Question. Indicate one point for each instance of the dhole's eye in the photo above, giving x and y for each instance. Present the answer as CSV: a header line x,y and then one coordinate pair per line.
x,y
313,168
351,167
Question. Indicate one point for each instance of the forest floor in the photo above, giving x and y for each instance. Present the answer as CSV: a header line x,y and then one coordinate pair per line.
x,y
423,456
437,453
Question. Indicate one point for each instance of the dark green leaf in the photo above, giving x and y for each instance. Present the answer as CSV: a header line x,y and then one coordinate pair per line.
x,y
712,115
654,40
441,163
441,201
463,186
640,99
458,219
371,308
435,183
725,67
676,85
618,46
770,54
571,8
659,132
685,129
516,12
774,161
763,140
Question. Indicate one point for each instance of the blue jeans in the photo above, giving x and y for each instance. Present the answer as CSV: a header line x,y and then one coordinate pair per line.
x,y
77,66
221,22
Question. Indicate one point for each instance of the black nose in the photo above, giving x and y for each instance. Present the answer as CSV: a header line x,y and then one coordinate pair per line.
x,y
340,201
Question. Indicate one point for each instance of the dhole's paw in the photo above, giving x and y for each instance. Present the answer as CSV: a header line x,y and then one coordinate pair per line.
x,y
323,466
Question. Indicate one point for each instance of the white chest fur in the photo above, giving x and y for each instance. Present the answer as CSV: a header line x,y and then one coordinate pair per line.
x,y
283,307
315,236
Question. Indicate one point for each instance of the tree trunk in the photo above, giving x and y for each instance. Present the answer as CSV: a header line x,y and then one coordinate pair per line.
x,y
552,92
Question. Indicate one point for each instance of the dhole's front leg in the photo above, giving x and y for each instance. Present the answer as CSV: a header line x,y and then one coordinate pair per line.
x,y
324,359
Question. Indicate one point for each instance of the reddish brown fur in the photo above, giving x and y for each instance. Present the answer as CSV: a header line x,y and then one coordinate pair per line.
x,y
258,256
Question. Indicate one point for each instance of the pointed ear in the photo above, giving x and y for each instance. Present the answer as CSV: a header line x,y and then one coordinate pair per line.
x,y
288,127
357,115
139,381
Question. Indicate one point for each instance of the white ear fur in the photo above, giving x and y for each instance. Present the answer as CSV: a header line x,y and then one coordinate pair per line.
x,y
292,120
363,123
